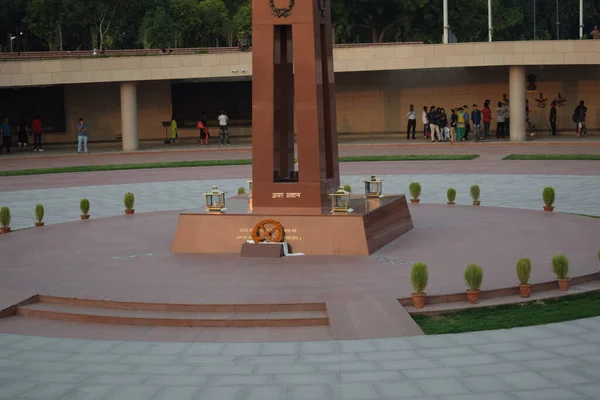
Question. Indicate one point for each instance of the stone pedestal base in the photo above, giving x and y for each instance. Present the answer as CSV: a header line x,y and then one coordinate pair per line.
x,y
373,224
257,250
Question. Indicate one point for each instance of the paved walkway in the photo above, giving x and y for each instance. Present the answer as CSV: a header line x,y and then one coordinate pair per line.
x,y
492,150
558,361
574,194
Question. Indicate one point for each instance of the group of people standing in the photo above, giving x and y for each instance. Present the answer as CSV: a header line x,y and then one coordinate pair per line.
x,y
202,126
441,127
23,134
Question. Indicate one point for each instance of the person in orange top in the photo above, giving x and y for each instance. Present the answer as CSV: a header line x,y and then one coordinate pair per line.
x,y
37,129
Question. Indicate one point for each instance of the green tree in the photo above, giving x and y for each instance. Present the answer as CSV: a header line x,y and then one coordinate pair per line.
x,y
242,20
50,19
157,30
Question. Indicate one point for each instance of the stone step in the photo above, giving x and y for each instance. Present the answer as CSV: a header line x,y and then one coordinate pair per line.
x,y
67,312
173,307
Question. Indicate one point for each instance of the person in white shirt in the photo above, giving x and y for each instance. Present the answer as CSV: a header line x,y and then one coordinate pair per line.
x,y
412,122
223,118
500,120
425,122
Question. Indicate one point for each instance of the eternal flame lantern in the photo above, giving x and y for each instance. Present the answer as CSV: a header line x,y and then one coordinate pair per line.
x,y
215,199
340,201
249,187
373,187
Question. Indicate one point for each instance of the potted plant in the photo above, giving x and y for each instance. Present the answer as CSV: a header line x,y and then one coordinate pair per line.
x,y
241,191
474,278
129,201
451,194
548,195
560,266
348,188
415,192
84,206
419,277
475,194
524,272
39,215
4,220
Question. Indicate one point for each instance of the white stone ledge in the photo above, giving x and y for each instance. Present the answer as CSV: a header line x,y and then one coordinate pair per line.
x,y
346,59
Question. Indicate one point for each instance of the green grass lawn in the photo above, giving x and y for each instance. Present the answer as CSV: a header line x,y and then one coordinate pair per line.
x,y
212,163
512,316
550,157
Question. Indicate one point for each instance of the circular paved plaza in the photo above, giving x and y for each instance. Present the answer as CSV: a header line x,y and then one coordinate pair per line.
x,y
128,259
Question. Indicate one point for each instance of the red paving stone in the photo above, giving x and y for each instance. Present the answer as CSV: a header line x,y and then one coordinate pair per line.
x,y
78,260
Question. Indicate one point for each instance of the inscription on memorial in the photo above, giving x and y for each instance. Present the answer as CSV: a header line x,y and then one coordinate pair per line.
x,y
290,234
286,195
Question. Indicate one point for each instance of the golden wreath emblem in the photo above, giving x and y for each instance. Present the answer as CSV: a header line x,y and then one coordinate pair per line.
x,y
268,230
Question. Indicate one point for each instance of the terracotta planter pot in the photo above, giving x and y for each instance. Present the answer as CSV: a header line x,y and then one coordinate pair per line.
x,y
86,216
473,296
548,208
39,224
415,201
129,212
5,229
563,284
476,203
525,290
418,299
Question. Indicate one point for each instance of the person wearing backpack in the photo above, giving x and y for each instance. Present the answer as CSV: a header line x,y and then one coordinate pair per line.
x,y
579,116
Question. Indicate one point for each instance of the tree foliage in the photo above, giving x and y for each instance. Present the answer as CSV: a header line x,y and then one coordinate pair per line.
x,y
88,24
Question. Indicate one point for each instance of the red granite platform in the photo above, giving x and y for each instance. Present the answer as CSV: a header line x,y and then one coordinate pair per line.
x,y
129,259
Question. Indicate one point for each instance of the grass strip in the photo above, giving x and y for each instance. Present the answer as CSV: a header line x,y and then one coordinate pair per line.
x,y
511,316
213,163
551,157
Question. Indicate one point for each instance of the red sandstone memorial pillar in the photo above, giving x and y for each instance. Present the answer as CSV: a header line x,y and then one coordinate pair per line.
x,y
293,86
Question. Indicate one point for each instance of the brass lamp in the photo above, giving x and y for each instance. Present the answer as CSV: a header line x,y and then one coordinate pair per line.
x,y
215,199
340,201
373,187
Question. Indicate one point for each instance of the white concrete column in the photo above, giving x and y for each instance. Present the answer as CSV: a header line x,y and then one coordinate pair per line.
x,y
129,116
517,95
490,29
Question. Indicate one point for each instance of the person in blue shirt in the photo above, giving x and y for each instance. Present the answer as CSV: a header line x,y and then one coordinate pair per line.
x,y
467,122
6,135
82,136
476,118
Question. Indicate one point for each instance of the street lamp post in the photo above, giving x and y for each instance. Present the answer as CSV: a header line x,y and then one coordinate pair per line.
x,y
557,23
580,19
489,20
534,21
445,39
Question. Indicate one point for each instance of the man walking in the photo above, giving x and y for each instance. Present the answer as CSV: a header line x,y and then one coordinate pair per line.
x,y
37,128
412,122
82,136
476,118
6,136
223,118
433,124
487,119
553,118
579,116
